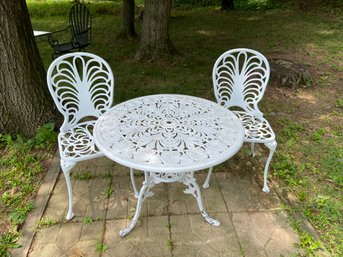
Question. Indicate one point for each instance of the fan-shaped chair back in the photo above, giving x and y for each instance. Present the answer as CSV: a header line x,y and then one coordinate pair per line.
x,y
80,23
81,85
239,78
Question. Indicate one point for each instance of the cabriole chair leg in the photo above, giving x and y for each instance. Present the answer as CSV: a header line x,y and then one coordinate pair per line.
x,y
66,168
272,147
207,181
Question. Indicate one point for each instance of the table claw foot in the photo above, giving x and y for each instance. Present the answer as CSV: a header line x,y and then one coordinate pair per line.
x,y
143,193
125,231
193,189
210,220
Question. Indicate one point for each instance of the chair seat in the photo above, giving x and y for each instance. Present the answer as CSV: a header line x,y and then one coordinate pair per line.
x,y
256,129
78,143
67,47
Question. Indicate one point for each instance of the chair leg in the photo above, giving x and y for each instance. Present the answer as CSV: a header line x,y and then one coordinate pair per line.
x,y
133,183
66,168
272,147
252,149
207,181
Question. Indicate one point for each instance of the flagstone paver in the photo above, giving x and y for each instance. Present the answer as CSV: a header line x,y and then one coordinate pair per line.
x,y
252,223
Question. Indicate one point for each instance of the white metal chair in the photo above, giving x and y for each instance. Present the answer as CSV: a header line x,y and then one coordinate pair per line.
x,y
81,85
240,77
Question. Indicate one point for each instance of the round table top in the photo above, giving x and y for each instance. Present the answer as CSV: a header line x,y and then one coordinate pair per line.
x,y
169,133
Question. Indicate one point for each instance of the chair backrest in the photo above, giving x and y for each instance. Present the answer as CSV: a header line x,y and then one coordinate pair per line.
x,y
81,85
80,23
240,77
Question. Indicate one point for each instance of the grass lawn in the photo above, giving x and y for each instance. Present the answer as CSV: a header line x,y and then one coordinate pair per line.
x,y
308,121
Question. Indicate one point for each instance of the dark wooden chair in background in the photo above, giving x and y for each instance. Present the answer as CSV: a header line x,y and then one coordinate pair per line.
x,y
79,30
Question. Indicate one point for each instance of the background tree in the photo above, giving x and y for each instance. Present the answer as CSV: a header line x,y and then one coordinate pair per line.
x,y
227,5
155,42
25,103
127,26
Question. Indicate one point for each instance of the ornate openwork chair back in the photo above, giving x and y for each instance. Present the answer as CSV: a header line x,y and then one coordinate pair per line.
x,y
240,77
81,85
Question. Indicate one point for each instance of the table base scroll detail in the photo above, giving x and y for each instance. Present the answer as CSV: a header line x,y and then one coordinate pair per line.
x,y
153,178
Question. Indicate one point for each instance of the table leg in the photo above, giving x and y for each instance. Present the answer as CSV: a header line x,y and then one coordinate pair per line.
x,y
143,193
155,178
193,189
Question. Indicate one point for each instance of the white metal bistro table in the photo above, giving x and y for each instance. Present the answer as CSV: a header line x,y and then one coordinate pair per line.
x,y
38,33
169,137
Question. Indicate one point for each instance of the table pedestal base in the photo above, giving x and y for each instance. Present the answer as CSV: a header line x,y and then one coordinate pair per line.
x,y
152,178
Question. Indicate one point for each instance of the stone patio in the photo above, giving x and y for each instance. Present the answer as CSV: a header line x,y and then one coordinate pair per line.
x,y
252,222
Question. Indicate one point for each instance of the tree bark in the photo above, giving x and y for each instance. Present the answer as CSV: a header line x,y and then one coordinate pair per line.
x,y
228,5
25,102
155,43
127,27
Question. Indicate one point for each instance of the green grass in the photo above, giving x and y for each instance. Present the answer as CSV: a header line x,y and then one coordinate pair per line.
x,y
21,172
309,156
310,163
101,247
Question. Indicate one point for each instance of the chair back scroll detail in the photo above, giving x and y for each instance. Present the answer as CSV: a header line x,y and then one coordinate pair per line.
x,y
81,85
240,77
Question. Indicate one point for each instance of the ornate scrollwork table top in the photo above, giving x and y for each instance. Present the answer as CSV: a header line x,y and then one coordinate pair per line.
x,y
169,133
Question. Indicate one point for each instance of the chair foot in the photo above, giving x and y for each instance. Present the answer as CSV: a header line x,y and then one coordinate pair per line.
x,y
266,189
70,215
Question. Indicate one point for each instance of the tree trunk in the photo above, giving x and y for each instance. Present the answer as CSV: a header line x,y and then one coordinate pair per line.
x,y
127,27
227,5
155,42
25,102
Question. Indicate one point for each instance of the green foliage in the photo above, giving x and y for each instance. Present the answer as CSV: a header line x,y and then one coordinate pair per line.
x,y
238,4
51,9
170,244
20,174
108,192
317,136
87,220
18,216
197,2
84,176
45,223
101,247
256,4
332,161
291,128
285,168
8,242
311,165
309,244
107,175
339,102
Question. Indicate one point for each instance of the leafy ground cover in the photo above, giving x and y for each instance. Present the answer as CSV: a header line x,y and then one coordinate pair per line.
x,y
22,167
308,121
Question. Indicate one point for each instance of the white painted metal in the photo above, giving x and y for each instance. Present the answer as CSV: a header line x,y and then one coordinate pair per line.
x,y
38,33
240,77
81,85
161,133
168,137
